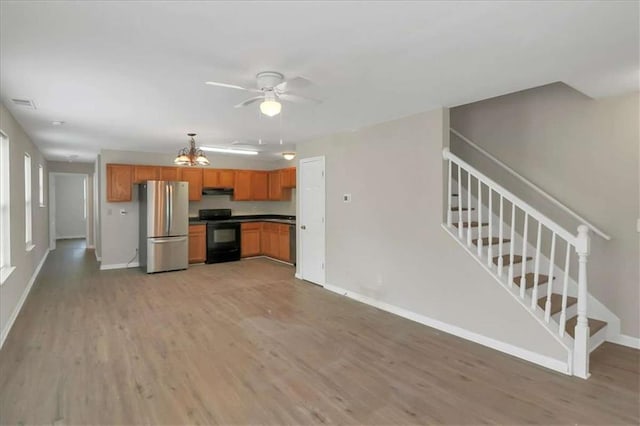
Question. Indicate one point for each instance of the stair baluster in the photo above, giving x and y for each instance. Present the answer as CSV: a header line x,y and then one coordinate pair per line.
x,y
479,240
469,228
449,196
512,243
552,259
500,259
565,287
536,269
489,216
523,279
459,201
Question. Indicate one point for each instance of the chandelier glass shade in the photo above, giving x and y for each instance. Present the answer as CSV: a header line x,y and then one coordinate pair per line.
x,y
191,155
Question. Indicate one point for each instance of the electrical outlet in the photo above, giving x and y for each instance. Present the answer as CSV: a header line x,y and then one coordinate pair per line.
x,y
123,212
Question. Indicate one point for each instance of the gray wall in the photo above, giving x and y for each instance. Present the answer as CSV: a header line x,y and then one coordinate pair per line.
x,y
388,243
25,262
69,205
584,152
119,233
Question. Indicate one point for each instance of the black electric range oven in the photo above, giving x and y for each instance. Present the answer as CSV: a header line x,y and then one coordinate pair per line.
x,y
223,237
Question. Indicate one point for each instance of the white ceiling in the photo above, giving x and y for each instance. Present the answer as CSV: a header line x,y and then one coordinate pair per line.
x,y
130,75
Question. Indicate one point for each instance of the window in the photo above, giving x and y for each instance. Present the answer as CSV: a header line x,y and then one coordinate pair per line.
x,y
41,184
28,204
5,224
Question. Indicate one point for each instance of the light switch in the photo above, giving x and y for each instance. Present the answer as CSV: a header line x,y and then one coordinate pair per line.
x,y
346,198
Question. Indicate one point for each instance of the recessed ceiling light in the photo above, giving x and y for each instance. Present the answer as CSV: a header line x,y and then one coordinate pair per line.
x,y
57,123
229,150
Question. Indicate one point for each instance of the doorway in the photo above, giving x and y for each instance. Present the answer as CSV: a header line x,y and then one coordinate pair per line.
x,y
69,208
312,220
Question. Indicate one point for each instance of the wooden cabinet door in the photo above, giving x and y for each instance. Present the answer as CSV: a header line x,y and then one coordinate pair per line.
x,y
275,185
250,239
283,242
194,177
264,238
197,243
260,185
143,173
289,177
242,185
274,241
209,178
226,178
119,182
170,173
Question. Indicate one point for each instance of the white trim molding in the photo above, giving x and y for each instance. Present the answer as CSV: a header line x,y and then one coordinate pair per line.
x,y
624,340
119,266
536,358
23,298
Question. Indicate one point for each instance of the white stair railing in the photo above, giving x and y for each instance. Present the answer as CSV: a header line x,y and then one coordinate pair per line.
x,y
549,238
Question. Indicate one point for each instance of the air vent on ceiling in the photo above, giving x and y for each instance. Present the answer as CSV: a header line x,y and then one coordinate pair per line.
x,y
26,103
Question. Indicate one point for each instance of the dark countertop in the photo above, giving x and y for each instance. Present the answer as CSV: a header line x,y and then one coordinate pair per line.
x,y
275,218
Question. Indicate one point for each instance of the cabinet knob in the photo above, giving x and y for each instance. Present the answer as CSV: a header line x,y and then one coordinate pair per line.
x,y
303,227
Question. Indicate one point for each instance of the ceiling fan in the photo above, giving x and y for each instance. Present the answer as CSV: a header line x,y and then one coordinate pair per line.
x,y
272,88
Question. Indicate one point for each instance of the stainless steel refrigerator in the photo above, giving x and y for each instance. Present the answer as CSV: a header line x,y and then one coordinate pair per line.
x,y
164,226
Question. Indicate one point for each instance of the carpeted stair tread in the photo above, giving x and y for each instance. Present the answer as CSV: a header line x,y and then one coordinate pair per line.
x,y
529,278
494,241
556,302
594,326
466,224
505,259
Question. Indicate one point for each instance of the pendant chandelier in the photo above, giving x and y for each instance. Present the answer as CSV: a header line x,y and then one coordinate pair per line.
x,y
191,156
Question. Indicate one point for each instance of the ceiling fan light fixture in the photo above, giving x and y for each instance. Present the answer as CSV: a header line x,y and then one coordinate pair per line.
x,y
289,155
191,155
270,108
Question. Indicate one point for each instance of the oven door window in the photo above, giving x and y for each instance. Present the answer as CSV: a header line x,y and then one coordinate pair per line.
x,y
224,236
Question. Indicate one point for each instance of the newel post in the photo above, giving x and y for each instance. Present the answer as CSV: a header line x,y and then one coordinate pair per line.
x,y
581,340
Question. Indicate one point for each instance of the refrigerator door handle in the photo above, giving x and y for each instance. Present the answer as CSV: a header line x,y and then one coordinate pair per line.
x,y
167,212
167,240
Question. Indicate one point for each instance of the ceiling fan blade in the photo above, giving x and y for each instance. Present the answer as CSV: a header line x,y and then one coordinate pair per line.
x,y
295,83
249,101
229,86
290,97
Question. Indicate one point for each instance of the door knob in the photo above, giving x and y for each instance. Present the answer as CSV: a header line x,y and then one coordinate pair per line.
x,y
303,227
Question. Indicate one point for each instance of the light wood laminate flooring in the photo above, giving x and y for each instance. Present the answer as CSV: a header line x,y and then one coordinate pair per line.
x,y
246,343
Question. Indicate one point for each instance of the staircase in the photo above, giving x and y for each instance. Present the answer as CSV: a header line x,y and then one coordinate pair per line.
x,y
542,265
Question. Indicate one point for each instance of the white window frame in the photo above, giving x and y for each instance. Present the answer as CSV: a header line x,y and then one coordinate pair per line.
x,y
41,185
5,210
28,204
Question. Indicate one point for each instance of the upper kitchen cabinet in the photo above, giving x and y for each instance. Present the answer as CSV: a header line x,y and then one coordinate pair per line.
x,y
218,178
194,177
289,177
275,185
260,185
143,173
119,182
170,173
242,185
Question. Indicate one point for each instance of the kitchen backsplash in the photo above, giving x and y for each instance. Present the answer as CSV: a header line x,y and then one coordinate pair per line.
x,y
244,207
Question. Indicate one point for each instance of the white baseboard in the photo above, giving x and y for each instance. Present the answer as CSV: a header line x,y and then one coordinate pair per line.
x,y
91,247
298,276
22,299
70,237
98,258
624,340
119,266
545,361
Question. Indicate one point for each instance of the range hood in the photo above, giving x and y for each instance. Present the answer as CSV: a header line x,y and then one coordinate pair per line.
x,y
217,191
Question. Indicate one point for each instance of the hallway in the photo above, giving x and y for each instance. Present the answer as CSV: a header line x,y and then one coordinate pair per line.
x,y
245,343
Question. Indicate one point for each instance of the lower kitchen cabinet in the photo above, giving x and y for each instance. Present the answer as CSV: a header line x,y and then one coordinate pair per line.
x,y
267,239
250,239
197,243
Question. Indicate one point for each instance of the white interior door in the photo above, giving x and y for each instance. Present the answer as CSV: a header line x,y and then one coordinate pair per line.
x,y
311,222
